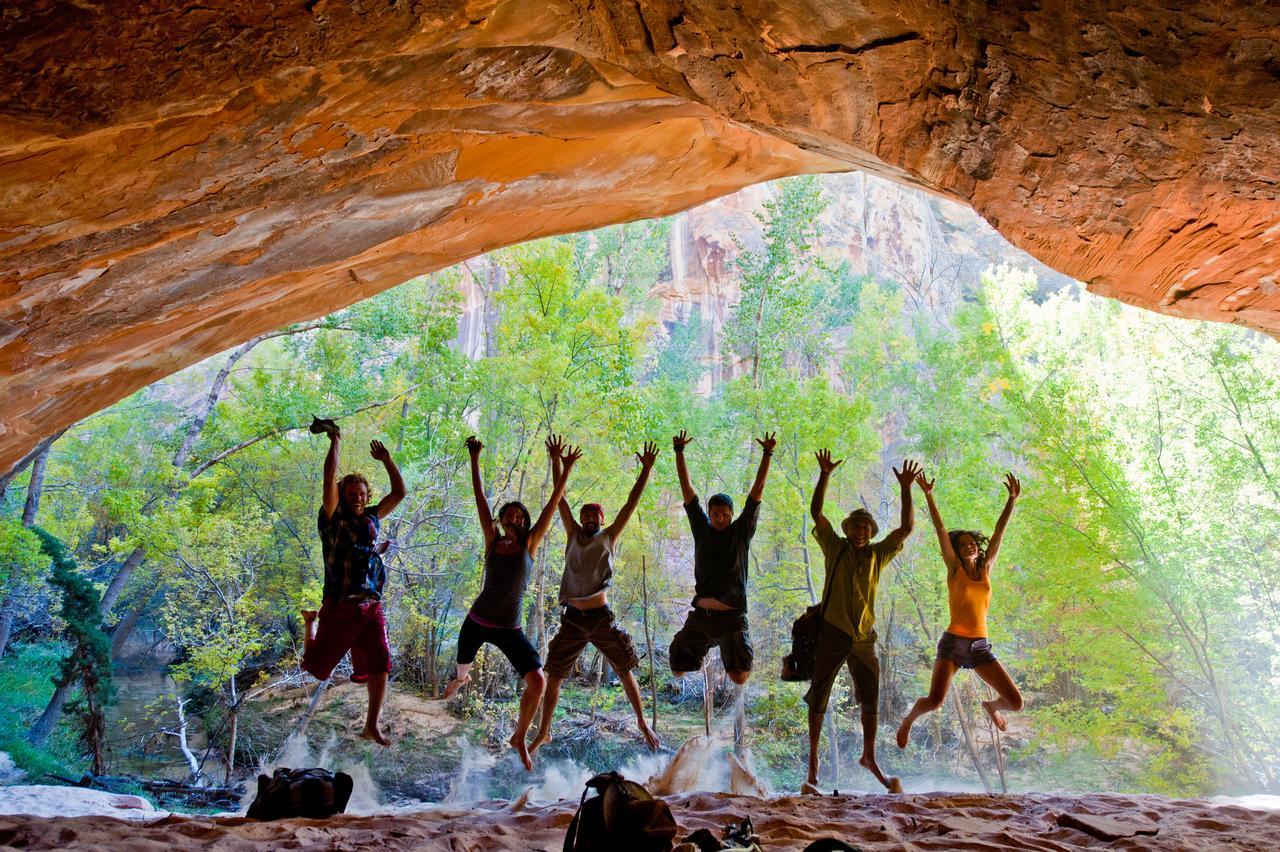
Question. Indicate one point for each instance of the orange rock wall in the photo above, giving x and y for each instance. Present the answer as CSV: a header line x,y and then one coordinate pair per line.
x,y
176,179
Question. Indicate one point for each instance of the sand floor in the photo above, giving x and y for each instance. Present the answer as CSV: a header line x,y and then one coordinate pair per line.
x,y
872,822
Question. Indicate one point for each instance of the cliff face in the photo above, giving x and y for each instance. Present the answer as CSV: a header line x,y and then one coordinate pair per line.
x,y
178,179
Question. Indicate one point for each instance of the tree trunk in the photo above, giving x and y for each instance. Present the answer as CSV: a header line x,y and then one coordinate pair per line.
x,y
125,627
966,727
49,718
312,706
117,584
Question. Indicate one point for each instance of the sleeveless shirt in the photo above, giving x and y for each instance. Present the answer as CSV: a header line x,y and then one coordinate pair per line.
x,y
969,601
506,576
588,566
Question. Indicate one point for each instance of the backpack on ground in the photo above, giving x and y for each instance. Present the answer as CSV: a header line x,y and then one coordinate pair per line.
x,y
310,793
798,665
622,817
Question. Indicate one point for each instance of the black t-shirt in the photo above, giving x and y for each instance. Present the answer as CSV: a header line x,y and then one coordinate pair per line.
x,y
720,557
351,566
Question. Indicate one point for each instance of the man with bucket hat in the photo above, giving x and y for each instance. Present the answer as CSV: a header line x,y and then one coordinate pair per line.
x,y
847,636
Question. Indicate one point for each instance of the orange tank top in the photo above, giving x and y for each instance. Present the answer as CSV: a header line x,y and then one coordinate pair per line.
x,y
969,600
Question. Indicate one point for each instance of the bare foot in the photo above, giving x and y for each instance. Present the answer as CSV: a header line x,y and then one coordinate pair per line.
x,y
539,741
809,788
871,766
517,743
904,732
372,734
454,685
650,738
895,784
996,718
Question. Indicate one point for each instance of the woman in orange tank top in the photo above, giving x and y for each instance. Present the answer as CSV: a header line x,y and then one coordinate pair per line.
x,y
969,558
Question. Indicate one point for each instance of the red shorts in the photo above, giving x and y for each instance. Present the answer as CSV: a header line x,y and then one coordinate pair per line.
x,y
356,627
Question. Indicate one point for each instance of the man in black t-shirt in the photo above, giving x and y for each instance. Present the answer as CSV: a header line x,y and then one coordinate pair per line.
x,y
721,547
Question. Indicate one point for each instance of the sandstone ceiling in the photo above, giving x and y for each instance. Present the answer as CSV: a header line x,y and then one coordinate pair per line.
x,y
177,178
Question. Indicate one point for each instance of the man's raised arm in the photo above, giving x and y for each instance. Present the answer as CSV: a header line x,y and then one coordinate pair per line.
x,y
767,443
678,443
646,459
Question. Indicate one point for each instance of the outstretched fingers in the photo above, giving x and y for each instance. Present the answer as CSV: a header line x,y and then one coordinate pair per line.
x,y
648,455
679,442
925,483
1012,484
825,463
768,442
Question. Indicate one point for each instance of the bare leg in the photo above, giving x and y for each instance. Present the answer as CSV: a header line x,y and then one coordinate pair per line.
x,y
943,672
632,689
1008,696
462,678
549,701
870,724
740,677
377,685
810,786
534,683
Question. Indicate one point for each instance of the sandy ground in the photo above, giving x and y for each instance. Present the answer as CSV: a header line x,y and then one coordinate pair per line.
x,y
933,821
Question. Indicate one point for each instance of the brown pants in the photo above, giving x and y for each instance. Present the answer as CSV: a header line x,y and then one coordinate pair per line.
x,y
836,648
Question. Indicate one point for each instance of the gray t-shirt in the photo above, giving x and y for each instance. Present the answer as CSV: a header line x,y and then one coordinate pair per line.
x,y
588,566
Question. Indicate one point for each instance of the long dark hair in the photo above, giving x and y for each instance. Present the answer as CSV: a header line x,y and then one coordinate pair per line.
x,y
978,538
522,533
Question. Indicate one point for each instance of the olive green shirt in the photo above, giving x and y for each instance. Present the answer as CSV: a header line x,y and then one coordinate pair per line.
x,y
852,577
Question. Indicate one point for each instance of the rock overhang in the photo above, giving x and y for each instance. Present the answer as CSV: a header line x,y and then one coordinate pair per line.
x,y
179,180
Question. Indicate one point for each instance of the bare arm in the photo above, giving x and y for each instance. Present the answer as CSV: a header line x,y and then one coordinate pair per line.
x,y
393,498
993,547
540,527
678,443
329,498
905,477
825,466
554,446
646,459
767,443
944,541
482,502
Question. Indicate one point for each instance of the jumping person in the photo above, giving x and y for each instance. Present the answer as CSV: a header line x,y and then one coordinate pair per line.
x,y
721,547
588,572
847,635
494,617
969,558
350,616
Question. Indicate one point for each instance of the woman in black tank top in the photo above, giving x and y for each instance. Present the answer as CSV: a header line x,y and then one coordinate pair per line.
x,y
494,617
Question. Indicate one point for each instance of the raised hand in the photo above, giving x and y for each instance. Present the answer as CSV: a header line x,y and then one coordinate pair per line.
x,y
379,452
555,444
570,455
648,455
679,442
1015,487
926,485
825,462
473,446
768,442
908,473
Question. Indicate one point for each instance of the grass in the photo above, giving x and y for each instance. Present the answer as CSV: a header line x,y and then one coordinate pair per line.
x,y
26,683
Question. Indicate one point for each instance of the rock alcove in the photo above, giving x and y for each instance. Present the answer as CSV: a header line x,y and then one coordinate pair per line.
x,y
177,179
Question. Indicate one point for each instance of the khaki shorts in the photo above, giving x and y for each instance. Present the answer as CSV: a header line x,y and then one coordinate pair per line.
x,y
596,626
836,648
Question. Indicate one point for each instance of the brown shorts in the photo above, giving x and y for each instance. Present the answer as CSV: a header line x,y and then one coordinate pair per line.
x,y
706,627
597,626
835,648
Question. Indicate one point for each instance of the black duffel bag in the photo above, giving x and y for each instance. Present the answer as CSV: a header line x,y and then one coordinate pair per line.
x,y
310,793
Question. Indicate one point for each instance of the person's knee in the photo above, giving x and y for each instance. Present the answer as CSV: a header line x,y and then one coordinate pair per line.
x,y
536,680
933,701
1015,701
740,677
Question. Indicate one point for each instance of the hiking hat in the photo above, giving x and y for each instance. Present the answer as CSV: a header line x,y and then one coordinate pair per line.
x,y
861,514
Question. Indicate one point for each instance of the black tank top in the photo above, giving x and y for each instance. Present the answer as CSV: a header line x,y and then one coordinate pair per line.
x,y
506,576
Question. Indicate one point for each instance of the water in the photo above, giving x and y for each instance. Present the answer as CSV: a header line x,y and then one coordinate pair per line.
x,y
145,705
